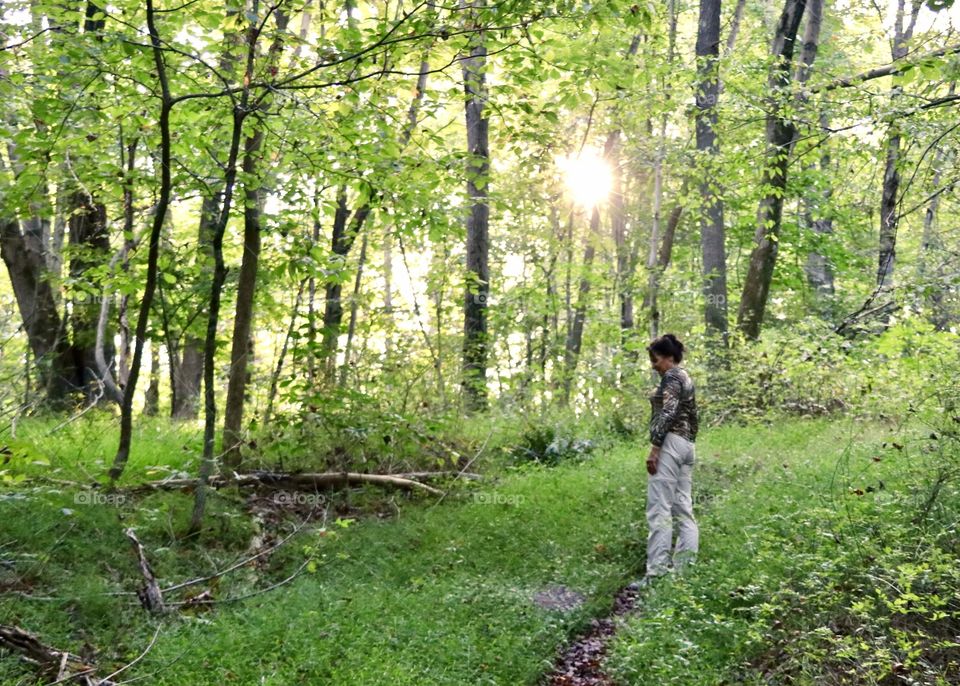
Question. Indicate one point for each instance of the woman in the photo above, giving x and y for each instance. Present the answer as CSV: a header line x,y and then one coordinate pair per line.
x,y
673,430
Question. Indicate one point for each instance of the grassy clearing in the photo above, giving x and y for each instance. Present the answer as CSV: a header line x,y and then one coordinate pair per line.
x,y
444,593
440,593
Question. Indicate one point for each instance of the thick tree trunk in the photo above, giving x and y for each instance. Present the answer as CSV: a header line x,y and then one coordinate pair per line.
x,y
90,245
780,138
477,292
712,235
35,298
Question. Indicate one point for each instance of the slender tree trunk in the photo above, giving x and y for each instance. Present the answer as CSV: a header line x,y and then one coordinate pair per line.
x,y
241,352
889,215
780,138
818,269
712,235
735,25
151,401
275,377
476,297
128,161
344,238
575,332
354,303
389,324
618,223
208,463
929,266
126,410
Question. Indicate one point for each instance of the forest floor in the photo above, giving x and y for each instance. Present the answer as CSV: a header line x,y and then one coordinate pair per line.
x,y
809,570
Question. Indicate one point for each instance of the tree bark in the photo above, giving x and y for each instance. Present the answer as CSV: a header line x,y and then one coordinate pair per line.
x,y
889,200
90,245
242,343
477,292
575,332
354,305
36,301
931,259
780,138
712,234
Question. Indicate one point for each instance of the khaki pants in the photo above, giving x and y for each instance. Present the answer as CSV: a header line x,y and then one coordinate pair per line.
x,y
669,498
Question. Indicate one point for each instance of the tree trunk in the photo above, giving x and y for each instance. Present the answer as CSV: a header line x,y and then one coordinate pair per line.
x,y
818,269
241,352
931,259
90,245
151,400
618,223
477,290
246,292
275,377
712,235
153,253
207,463
354,303
780,138
389,322
36,301
186,370
889,215
575,331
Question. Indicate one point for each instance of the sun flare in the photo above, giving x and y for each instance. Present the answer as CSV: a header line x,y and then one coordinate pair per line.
x,y
587,176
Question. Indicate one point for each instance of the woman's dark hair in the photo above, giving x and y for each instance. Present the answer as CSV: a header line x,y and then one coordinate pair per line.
x,y
667,345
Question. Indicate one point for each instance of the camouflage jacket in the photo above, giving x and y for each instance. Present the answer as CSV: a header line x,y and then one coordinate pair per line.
x,y
674,407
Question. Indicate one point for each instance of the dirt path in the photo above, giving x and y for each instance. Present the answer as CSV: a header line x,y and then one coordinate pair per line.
x,y
581,662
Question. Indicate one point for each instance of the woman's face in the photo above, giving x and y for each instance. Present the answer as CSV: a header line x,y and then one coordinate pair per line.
x,y
661,363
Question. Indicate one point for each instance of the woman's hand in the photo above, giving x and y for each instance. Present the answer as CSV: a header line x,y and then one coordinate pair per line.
x,y
653,460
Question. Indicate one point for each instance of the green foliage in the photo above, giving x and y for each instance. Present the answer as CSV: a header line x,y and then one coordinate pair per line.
x,y
550,445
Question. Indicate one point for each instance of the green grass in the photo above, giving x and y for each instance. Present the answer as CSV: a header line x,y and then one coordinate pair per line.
x,y
443,593
814,570
438,594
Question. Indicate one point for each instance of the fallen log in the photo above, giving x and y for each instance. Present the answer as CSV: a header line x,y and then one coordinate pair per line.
x,y
294,481
57,664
